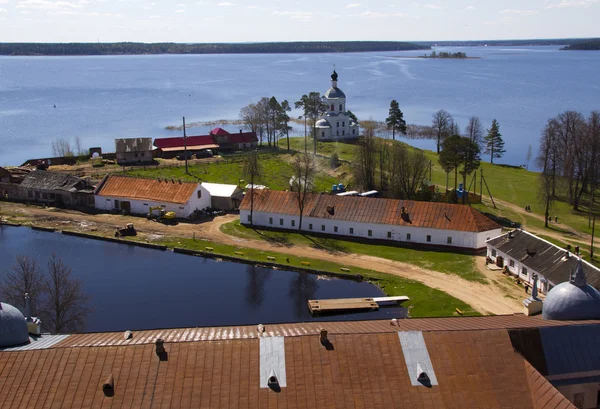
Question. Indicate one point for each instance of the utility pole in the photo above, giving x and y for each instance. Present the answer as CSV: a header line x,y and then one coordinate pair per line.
x,y
185,148
592,246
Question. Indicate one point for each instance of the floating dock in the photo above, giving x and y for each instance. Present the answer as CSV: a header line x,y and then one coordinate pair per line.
x,y
350,304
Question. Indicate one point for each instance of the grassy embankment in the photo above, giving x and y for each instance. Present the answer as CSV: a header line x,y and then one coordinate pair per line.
x,y
445,262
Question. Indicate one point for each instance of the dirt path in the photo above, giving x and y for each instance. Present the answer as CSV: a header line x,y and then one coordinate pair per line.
x,y
495,298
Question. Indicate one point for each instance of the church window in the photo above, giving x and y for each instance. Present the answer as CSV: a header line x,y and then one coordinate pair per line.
x,y
343,133
337,133
343,124
340,107
337,124
353,131
332,107
323,134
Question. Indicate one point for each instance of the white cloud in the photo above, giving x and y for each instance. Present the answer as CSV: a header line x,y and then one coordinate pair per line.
x,y
253,7
572,3
432,6
352,5
180,11
376,14
520,12
2,11
469,8
48,5
225,4
3,1
295,15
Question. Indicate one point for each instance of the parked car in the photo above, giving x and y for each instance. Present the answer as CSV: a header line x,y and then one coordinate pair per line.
x,y
207,153
182,156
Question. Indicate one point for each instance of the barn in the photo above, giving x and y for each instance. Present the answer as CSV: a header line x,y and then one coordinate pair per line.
x,y
387,220
137,195
225,197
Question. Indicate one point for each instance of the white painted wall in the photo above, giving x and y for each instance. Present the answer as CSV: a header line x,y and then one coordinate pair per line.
x,y
517,269
378,231
107,203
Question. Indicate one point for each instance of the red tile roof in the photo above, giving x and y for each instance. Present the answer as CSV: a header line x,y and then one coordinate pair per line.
x,y
146,189
374,210
362,370
177,142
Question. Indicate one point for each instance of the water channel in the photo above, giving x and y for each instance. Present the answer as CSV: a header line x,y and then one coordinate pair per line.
x,y
137,288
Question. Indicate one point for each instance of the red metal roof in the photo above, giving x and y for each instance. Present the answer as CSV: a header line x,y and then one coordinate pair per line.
x,y
162,143
219,131
242,137
375,210
147,189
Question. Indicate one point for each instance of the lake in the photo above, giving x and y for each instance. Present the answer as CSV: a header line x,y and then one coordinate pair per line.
x,y
99,98
137,288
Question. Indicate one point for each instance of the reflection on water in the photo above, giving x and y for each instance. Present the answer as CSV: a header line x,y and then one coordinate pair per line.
x,y
136,288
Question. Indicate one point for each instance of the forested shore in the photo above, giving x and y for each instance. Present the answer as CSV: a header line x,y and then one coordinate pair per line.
x,y
206,48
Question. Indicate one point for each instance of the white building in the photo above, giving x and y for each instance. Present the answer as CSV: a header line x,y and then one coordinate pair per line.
x,y
524,254
225,197
137,195
396,221
336,124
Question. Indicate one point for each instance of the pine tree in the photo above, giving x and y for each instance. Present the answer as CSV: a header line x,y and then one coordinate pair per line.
x,y
396,121
494,144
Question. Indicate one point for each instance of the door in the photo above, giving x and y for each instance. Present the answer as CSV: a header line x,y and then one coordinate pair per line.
x,y
117,203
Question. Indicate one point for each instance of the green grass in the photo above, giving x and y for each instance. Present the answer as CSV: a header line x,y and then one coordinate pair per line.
x,y
276,169
445,262
424,301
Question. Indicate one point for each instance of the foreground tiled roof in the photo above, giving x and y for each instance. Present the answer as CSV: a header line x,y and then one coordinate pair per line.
x,y
146,189
542,256
375,210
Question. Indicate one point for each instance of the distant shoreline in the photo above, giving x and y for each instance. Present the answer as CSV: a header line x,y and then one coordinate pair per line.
x,y
438,58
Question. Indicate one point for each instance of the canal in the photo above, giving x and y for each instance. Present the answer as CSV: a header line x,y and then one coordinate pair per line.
x,y
138,288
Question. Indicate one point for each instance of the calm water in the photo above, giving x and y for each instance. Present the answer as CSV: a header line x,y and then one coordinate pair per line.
x,y
100,98
137,288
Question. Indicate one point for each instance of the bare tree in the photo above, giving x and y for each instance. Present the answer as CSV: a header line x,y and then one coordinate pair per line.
x,y
365,159
61,147
79,147
25,276
408,170
548,161
304,173
474,130
442,127
252,171
528,157
66,303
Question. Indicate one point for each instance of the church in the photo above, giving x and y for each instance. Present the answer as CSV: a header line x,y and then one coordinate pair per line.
x,y
336,124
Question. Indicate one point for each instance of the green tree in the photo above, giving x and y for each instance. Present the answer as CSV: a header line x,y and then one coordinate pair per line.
x,y
284,120
451,157
252,171
352,116
471,158
493,142
396,121
313,108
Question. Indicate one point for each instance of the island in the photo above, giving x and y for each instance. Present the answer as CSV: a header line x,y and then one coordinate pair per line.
x,y
129,48
589,45
447,55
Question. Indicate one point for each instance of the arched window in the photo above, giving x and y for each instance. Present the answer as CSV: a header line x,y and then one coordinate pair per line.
x,y
332,107
353,131
323,134
340,107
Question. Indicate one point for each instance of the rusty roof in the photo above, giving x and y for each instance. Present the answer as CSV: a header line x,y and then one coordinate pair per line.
x,y
477,369
146,189
545,396
375,210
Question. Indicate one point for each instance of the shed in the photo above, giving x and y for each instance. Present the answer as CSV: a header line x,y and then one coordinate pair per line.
x,y
226,197
133,151
56,188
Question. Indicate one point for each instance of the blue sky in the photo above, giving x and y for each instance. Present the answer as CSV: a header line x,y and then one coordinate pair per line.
x,y
291,20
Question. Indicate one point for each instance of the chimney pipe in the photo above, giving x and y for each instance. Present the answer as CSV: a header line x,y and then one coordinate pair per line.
x,y
160,347
27,308
324,339
108,387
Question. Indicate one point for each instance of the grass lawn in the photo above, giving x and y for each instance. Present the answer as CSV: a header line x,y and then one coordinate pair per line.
x,y
276,169
445,262
424,301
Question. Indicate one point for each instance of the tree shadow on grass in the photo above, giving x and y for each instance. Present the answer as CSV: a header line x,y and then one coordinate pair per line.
x,y
274,238
329,245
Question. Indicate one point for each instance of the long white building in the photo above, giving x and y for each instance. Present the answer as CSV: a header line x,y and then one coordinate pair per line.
x,y
396,221
137,195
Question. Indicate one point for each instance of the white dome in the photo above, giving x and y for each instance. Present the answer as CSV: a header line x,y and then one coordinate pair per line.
x,y
334,93
322,123
13,327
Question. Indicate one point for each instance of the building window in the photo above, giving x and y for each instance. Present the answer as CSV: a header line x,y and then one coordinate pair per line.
x,y
293,223
407,236
322,227
343,124
145,204
389,234
337,124
136,154
493,252
181,207
524,271
337,133
511,263
323,134
428,238
310,226
343,132
270,220
332,107
353,131
370,233
340,107
449,240
249,219
351,230
335,229
199,194
281,222
108,200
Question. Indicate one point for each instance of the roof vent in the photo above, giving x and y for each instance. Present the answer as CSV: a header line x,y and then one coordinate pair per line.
x,y
325,341
273,382
260,328
510,234
160,350
128,334
172,180
331,210
404,215
108,387
567,255
422,377
158,179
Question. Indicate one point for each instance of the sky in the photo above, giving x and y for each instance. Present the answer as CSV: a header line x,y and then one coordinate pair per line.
x,y
291,20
